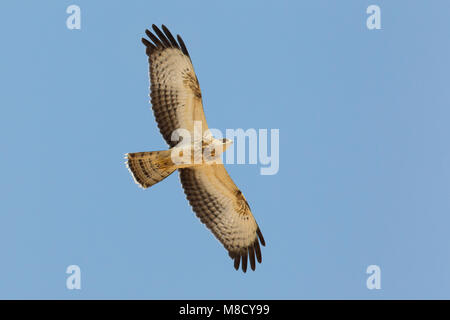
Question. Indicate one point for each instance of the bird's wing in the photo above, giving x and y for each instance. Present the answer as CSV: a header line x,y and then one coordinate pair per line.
x,y
222,207
175,92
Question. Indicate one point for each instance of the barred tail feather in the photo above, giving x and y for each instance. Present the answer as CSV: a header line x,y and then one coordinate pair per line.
x,y
149,168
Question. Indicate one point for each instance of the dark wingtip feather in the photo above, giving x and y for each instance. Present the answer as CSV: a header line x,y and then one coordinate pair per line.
x,y
244,262
183,46
149,46
154,38
258,251
237,261
251,253
169,35
260,236
164,40
161,36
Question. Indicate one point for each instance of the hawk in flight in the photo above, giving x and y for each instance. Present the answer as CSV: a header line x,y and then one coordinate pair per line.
x,y
177,105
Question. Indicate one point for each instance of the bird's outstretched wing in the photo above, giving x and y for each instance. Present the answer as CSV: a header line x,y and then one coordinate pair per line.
x,y
222,207
175,92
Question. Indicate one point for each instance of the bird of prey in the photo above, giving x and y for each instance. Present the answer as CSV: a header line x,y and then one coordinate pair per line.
x,y
177,104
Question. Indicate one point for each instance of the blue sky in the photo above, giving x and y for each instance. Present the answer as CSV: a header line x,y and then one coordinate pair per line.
x,y
364,149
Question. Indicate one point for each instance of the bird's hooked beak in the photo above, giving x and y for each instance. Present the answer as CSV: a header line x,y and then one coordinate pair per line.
x,y
227,142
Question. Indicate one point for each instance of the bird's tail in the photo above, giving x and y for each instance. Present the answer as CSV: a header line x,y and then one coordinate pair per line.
x,y
149,168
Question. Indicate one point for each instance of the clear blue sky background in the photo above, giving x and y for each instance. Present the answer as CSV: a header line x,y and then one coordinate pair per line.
x,y
364,149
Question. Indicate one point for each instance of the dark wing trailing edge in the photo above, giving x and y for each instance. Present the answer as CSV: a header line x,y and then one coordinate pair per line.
x,y
183,46
163,40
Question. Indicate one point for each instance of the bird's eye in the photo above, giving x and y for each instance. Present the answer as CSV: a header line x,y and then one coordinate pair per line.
x,y
224,140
